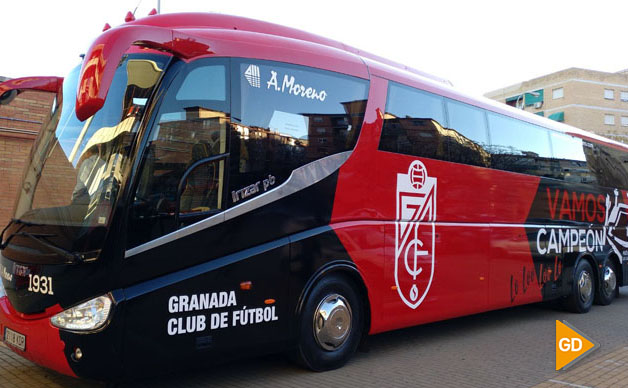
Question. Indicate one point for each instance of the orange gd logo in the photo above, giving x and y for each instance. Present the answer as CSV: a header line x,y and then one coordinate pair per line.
x,y
571,345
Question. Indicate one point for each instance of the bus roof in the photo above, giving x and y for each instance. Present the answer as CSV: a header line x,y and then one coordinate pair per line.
x,y
228,22
202,25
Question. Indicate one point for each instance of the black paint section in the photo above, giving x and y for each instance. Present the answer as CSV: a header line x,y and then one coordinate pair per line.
x,y
579,209
278,270
301,211
277,248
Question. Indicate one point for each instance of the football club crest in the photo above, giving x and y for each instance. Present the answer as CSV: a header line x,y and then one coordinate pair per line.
x,y
414,234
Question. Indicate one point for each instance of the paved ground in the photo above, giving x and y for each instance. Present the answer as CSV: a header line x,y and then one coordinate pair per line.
x,y
506,348
610,370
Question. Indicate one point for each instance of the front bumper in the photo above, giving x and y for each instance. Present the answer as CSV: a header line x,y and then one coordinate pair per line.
x,y
43,342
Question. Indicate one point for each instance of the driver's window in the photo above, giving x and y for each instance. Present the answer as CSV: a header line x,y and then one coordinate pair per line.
x,y
182,176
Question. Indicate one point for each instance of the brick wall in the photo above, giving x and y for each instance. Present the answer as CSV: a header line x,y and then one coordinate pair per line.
x,y
25,113
14,152
20,122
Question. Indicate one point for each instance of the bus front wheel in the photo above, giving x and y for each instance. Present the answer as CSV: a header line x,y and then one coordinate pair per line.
x,y
583,288
331,324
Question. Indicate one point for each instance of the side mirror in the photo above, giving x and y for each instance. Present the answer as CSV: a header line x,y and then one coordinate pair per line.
x,y
22,101
11,88
8,96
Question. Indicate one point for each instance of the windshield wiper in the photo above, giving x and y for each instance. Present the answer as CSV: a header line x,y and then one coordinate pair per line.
x,y
72,257
15,221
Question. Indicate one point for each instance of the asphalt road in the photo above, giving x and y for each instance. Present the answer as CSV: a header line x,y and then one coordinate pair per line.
x,y
505,348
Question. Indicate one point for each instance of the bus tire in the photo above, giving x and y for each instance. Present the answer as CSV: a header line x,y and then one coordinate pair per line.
x,y
583,288
607,290
331,324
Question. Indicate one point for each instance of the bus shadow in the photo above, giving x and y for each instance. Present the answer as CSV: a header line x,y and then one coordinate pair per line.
x,y
252,371
279,369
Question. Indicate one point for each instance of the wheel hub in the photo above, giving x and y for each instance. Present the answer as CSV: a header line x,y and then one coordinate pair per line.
x,y
610,280
332,322
585,286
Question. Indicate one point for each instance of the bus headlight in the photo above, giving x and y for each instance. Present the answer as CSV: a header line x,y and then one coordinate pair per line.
x,y
88,316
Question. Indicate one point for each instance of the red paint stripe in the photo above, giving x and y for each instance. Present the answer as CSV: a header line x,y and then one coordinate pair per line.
x,y
43,342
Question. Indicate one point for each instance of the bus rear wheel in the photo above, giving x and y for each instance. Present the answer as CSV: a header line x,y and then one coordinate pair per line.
x,y
331,324
583,288
607,290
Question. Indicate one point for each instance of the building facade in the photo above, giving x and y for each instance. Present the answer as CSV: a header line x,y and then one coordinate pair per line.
x,y
591,100
20,122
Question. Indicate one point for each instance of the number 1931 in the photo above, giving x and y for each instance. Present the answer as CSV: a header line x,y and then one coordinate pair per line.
x,y
40,284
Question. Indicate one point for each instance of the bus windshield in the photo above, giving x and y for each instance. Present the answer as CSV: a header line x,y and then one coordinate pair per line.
x,y
76,168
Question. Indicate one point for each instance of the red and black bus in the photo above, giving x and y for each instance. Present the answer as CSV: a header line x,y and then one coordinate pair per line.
x,y
210,186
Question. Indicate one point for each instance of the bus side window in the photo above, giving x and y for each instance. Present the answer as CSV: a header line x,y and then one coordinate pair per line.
x,y
468,134
181,180
609,165
414,123
570,161
520,147
286,116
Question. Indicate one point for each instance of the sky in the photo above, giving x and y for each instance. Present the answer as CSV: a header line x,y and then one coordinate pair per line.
x,y
479,45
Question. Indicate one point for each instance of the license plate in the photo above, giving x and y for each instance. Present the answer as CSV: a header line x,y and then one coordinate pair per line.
x,y
14,338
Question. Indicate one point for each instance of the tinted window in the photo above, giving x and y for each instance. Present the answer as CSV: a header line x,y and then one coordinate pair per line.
x,y
414,123
404,101
285,116
609,165
569,159
519,146
468,121
468,138
191,127
187,130
423,124
204,83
